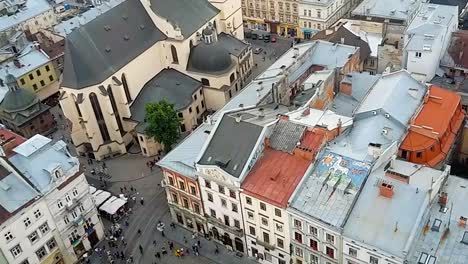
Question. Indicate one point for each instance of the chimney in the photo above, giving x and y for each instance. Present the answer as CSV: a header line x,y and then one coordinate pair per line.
x,y
374,149
261,112
342,40
443,199
329,32
17,63
462,222
346,86
386,190
239,118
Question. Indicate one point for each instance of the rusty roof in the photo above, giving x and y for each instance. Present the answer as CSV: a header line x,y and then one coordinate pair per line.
x,y
458,49
276,174
434,119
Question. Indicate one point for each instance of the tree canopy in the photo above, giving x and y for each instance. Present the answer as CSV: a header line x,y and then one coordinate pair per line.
x,y
162,123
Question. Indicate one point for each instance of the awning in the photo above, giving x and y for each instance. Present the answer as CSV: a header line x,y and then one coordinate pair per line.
x,y
112,205
100,197
311,31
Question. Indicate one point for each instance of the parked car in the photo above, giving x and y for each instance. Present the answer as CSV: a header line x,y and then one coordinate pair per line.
x,y
257,51
273,38
266,38
254,36
260,37
248,34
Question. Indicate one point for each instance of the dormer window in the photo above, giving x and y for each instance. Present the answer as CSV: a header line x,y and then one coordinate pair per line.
x,y
57,173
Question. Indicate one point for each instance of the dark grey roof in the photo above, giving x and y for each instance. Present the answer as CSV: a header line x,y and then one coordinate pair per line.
x,y
231,145
18,100
232,44
209,58
188,15
286,135
101,47
169,84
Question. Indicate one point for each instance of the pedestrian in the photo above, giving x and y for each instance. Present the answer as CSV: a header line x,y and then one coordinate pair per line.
x,y
142,201
158,255
199,243
216,250
185,240
126,223
121,190
141,249
162,233
122,255
139,232
154,242
125,188
164,251
171,245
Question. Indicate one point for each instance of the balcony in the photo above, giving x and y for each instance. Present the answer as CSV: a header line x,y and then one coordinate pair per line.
x,y
265,244
220,224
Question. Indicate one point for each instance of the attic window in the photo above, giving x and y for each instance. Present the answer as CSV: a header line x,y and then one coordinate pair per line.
x,y
107,28
465,238
124,16
142,26
126,37
108,49
436,225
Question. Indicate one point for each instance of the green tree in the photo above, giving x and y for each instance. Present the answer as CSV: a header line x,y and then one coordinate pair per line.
x,y
162,123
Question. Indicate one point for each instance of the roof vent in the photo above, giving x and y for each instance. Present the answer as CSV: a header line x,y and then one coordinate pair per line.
x,y
386,190
374,112
107,28
177,83
124,16
126,37
387,115
142,26
108,49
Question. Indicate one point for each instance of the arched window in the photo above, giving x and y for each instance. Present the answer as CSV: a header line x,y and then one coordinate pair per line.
x,y
125,86
232,77
99,117
115,110
191,44
205,81
175,59
214,24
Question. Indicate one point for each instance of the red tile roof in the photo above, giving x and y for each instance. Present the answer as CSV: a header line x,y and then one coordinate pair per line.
x,y
276,174
9,141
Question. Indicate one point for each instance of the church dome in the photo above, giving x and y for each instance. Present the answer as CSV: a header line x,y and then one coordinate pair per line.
x,y
18,100
210,58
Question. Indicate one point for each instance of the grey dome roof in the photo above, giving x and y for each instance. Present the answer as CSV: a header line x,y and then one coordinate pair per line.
x,y
210,58
10,79
18,100
207,31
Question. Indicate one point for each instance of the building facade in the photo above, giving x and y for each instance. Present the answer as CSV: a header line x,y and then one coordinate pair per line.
x,y
278,17
30,15
100,108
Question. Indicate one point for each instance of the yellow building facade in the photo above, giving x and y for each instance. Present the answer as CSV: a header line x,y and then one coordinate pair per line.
x,y
275,16
39,78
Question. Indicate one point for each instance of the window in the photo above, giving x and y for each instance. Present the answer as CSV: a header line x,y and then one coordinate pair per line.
x,y
115,110
75,192
202,104
221,189
205,81
305,23
27,222
313,244
31,76
171,180
330,252
250,215
266,237
436,225
190,109
26,261
297,224
313,231
197,109
193,191
279,242
42,83
373,260
66,220
210,197
196,208
41,252
180,114
175,198
319,13
234,207
352,252
319,26
264,221
236,223
81,208
277,212
22,81
34,87
73,236
330,239
248,200
182,185
208,184
185,203
418,155
305,12
418,55
298,237
226,220
279,227
67,198
33,237
232,194
263,206
314,259
182,128
16,251
47,68
8,236
268,257
223,202
51,244
299,252
74,214
99,117
252,230
310,12
126,90
195,97
213,213
38,72
175,58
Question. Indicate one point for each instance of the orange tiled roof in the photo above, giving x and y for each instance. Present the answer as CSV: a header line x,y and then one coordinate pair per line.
x,y
276,174
9,141
434,119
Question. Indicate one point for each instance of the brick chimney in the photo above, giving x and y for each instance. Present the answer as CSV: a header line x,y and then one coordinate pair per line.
x,y
346,86
443,198
386,190
17,63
